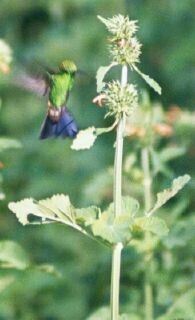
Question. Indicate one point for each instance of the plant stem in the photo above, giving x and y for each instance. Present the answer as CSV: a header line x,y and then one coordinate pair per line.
x,y
117,196
148,292
147,179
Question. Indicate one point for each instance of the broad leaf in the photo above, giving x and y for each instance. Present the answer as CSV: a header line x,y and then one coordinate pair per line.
x,y
167,194
116,229
5,282
24,208
129,206
89,220
129,316
57,208
183,308
151,82
155,225
111,229
102,71
87,216
84,139
13,256
102,313
181,234
7,143
144,245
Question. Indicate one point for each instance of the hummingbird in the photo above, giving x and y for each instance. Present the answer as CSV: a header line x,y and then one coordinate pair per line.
x,y
56,85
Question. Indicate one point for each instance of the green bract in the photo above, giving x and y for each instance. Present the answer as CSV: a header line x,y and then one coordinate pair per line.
x,y
120,100
124,47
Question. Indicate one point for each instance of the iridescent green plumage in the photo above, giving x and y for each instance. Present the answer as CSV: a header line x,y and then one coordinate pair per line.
x,y
56,86
61,83
60,86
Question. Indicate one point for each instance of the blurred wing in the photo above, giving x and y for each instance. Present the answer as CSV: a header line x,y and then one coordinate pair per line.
x,y
35,77
38,85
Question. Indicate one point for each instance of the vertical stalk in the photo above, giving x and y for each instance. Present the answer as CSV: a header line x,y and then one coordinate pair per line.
x,y
148,292
147,179
117,196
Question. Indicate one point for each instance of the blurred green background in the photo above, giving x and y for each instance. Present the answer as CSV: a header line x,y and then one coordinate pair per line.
x,y
49,31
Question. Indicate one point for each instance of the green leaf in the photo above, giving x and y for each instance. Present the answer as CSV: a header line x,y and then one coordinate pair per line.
x,y
129,206
183,308
87,216
167,194
171,153
116,229
5,282
84,139
13,256
101,73
144,245
7,143
129,316
151,82
23,208
47,268
153,224
5,52
181,233
57,208
102,313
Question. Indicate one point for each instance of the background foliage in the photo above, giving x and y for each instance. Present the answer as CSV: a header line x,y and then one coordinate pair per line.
x,y
48,31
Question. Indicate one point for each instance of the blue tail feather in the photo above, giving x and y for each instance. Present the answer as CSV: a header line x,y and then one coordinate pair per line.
x,y
64,127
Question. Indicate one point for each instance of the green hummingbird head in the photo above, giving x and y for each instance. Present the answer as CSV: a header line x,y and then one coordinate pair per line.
x,y
68,66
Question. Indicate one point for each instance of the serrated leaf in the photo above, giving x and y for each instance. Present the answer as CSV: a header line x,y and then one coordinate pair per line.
x,y
57,208
87,216
84,139
155,225
167,194
129,206
116,229
13,256
183,308
151,82
7,143
113,229
23,208
101,73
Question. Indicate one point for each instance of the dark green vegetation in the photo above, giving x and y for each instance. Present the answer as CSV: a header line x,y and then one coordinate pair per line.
x,y
50,31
